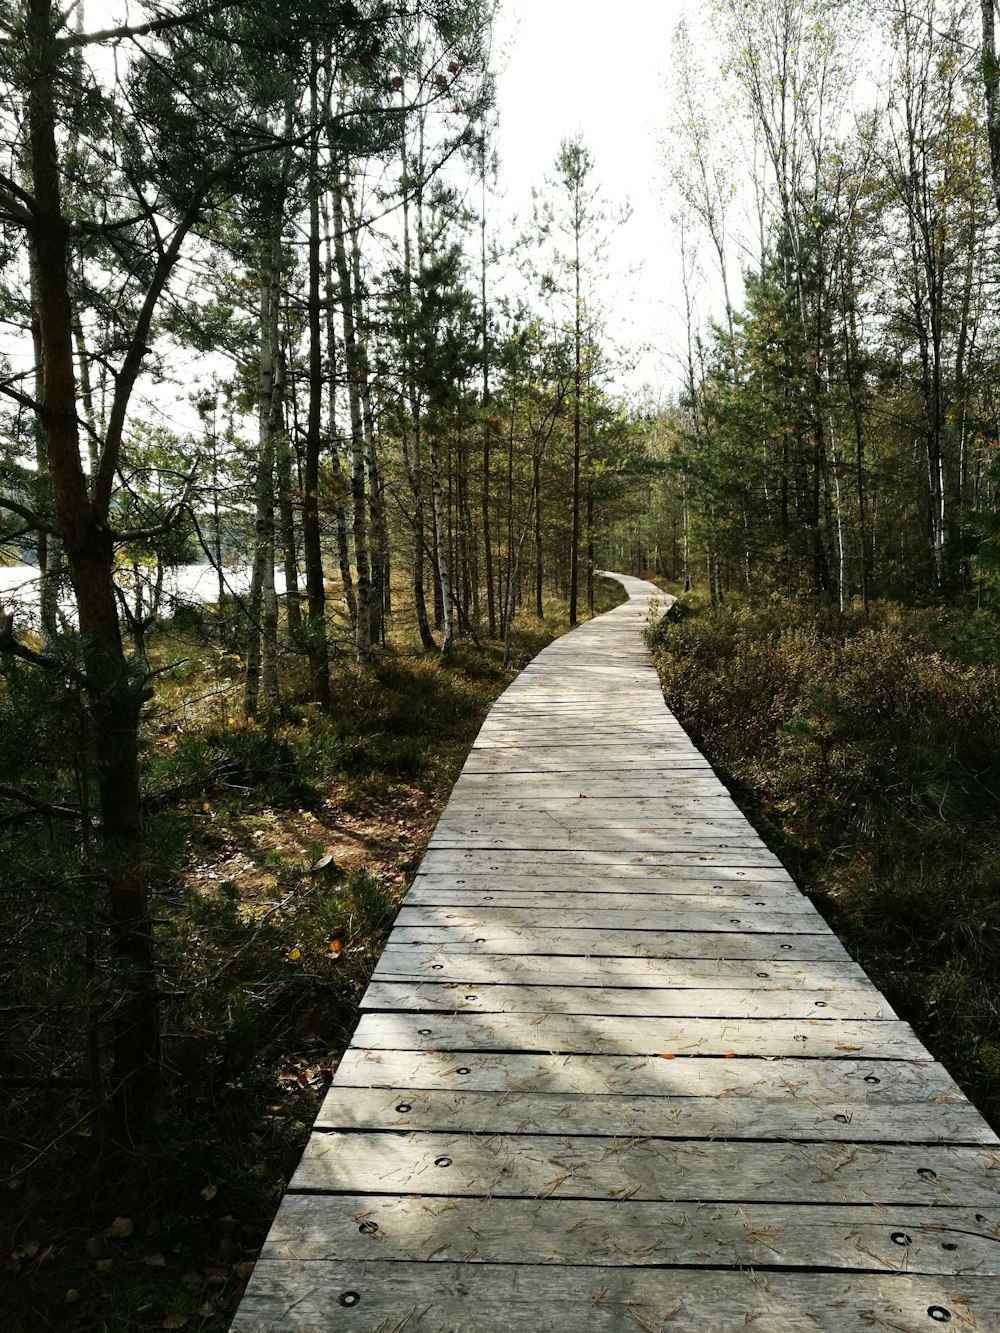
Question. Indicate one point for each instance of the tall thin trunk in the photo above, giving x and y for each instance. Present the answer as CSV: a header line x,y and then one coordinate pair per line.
x,y
413,447
991,87
115,691
287,489
340,484
536,496
378,546
442,562
49,547
590,548
316,644
261,664
363,642
491,615
577,391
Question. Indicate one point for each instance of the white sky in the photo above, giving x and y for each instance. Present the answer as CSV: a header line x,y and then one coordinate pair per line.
x,y
568,66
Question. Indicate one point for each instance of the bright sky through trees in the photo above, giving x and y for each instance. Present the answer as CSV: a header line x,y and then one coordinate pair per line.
x,y
568,66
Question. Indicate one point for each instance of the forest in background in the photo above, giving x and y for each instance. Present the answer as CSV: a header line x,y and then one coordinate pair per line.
x,y
262,315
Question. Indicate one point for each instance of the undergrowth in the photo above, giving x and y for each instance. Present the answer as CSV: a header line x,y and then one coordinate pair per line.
x,y
279,852
866,749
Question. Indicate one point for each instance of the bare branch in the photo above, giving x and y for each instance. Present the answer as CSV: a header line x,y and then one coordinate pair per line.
x,y
13,646
35,521
127,31
173,513
41,807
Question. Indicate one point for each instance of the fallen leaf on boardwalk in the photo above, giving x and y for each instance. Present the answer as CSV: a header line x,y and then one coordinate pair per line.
x,y
846,1046
665,1055
730,1055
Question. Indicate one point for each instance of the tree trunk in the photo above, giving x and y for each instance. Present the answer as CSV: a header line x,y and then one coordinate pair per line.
x,y
340,483
287,489
491,613
115,691
991,87
316,644
363,641
261,663
577,391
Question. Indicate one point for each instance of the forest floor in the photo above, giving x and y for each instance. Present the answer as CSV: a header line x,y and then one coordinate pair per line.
x,y
865,749
281,850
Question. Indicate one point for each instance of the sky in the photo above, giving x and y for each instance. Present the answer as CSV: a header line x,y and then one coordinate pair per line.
x,y
600,69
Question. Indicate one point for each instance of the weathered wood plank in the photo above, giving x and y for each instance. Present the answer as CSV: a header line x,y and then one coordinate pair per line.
x,y
817,1081
568,1231
741,848
622,943
722,1117
445,859
596,1033
445,893
453,1298
546,1166
445,996
660,829
424,963
624,876
496,916
591,784
506,801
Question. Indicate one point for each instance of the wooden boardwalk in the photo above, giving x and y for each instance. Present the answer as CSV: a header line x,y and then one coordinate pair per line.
x,y
615,1072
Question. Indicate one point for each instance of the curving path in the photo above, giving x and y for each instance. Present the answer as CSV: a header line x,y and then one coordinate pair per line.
x,y
616,1073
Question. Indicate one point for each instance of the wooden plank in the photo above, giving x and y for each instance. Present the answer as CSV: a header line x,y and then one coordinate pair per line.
x,y
642,1002
815,1081
594,759
594,784
318,1297
622,875
622,943
512,800
651,766
592,821
622,878
516,793
423,963
456,860
793,1118
445,893
546,1166
498,916
568,1231
596,1033
741,848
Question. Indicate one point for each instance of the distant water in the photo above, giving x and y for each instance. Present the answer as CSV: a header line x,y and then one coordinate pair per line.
x,y
186,585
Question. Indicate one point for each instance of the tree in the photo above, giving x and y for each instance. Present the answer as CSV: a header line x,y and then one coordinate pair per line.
x,y
104,217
